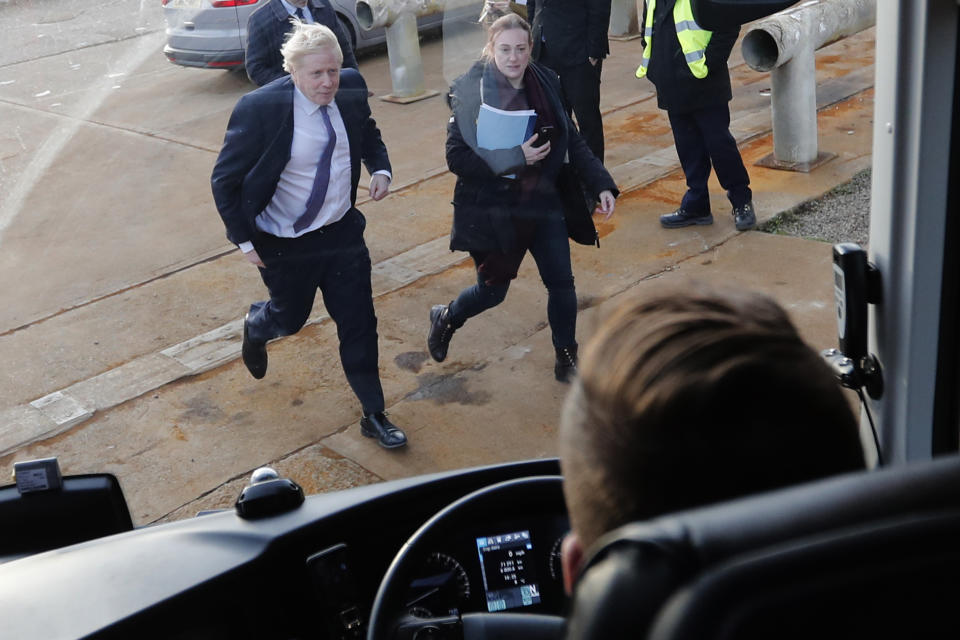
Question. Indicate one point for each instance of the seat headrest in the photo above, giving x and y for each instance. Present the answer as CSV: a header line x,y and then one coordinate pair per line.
x,y
633,571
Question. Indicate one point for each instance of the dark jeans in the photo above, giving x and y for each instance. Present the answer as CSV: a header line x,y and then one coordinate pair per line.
x,y
335,260
551,251
581,95
703,138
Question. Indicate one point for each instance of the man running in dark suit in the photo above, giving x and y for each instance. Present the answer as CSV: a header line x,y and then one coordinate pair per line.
x,y
285,184
269,25
570,37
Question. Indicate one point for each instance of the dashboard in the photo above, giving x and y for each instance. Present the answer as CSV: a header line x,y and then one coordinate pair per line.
x,y
346,564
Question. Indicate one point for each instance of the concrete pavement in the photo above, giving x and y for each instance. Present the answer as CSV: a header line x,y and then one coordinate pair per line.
x,y
152,389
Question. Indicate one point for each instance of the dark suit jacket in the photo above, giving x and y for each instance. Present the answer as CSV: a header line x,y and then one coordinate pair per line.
x,y
256,148
574,29
266,29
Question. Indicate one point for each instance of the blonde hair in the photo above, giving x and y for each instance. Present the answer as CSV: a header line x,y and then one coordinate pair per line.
x,y
505,23
306,39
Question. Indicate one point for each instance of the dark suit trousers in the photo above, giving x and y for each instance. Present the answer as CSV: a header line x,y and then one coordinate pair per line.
x,y
703,139
335,260
581,94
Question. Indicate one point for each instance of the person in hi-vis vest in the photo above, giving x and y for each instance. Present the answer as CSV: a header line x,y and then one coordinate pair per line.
x,y
688,66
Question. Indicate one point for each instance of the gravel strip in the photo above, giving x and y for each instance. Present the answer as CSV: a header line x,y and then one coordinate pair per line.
x,y
841,215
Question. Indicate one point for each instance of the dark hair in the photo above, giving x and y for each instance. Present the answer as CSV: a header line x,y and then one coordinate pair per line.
x,y
696,397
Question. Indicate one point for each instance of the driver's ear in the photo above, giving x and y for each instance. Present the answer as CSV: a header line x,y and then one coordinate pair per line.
x,y
571,559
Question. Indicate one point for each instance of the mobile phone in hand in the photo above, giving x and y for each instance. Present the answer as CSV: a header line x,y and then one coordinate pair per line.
x,y
544,135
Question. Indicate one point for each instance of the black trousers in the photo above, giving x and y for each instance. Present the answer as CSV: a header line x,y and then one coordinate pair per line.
x,y
703,139
334,260
581,94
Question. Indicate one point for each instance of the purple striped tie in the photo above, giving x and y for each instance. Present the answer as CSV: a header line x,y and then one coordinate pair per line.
x,y
321,180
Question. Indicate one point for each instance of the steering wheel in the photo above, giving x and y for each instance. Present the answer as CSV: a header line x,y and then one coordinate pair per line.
x,y
390,621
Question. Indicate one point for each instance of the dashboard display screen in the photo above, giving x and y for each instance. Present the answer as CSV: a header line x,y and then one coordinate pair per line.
x,y
506,563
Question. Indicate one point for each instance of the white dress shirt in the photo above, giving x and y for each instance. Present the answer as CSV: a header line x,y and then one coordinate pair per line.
x,y
296,181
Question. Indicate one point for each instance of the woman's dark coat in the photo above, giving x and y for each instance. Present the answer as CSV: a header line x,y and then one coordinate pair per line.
x,y
484,203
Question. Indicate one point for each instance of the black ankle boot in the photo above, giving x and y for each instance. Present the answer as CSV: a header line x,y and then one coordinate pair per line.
x,y
441,330
566,367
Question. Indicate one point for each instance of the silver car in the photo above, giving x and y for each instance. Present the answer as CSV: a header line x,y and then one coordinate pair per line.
x,y
213,33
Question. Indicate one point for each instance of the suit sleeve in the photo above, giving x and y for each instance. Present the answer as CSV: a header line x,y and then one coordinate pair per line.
x,y
531,11
327,16
598,24
240,152
591,171
349,58
720,45
373,151
263,49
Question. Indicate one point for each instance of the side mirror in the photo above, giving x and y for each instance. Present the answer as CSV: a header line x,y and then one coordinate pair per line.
x,y
730,14
44,510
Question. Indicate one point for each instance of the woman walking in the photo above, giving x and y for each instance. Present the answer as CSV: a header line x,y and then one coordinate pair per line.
x,y
506,201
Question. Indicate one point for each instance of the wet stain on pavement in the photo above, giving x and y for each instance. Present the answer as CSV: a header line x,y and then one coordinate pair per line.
x,y
587,301
201,408
411,360
448,389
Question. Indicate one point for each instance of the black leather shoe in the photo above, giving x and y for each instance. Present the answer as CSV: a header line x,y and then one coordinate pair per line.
x,y
441,330
683,218
566,367
377,425
745,217
254,353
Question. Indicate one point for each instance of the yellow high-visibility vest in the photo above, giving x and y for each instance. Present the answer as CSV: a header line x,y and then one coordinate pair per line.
x,y
693,39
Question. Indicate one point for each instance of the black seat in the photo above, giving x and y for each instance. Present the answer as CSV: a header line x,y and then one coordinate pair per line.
x,y
85,507
871,554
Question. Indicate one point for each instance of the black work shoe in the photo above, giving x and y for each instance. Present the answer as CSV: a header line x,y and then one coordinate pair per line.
x,y
254,353
745,217
377,425
441,330
683,218
566,367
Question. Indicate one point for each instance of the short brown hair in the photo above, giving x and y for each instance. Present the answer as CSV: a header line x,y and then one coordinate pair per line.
x,y
696,397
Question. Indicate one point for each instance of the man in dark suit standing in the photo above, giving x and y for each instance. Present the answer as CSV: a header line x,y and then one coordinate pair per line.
x,y
570,37
269,24
285,184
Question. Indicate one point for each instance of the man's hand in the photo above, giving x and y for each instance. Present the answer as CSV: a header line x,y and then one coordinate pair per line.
x,y
254,259
533,154
379,186
606,204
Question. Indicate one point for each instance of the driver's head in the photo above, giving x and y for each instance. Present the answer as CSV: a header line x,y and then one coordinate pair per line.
x,y
691,398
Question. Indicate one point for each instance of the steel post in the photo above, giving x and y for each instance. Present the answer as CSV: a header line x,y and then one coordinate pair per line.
x,y
784,44
624,20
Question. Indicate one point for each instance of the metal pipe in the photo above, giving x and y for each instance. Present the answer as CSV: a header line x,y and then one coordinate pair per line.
x,y
403,50
399,17
624,20
784,44
372,14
